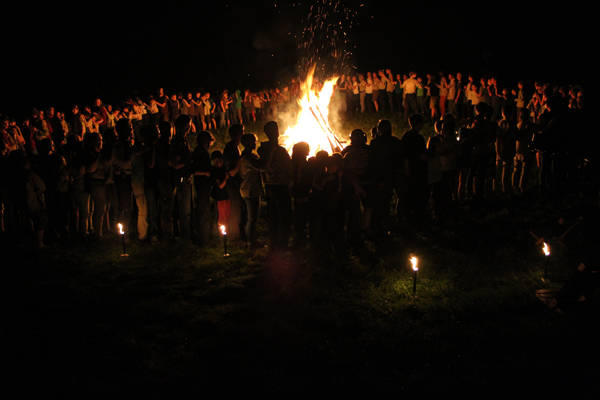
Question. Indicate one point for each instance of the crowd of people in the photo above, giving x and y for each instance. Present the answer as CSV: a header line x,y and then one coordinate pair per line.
x,y
67,178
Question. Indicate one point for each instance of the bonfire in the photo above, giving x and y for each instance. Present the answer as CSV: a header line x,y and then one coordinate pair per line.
x,y
312,125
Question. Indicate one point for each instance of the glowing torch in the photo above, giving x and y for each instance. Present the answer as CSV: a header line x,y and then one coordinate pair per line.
x,y
547,255
122,233
224,233
414,261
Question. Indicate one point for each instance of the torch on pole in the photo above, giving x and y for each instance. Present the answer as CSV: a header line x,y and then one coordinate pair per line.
x,y
414,261
547,257
122,233
224,233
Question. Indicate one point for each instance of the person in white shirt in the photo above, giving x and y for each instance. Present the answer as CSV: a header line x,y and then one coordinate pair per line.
x,y
410,86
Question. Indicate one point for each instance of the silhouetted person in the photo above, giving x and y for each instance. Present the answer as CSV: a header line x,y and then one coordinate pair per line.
x,y
278,170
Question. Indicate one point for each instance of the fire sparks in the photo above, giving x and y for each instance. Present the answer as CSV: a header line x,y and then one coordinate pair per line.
x,y
312,125
414,262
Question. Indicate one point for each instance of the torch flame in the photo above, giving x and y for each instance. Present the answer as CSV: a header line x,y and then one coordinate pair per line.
x,y
222,227
121,229
546,250
414,262
312,124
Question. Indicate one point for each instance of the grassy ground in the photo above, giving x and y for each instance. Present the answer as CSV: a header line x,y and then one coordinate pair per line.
x,y
174,321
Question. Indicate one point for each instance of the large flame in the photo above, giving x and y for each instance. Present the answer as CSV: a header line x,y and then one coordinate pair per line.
x,y
414,262
312,124
546,250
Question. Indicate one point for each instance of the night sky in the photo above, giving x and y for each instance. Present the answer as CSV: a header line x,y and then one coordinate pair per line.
x,y
59,55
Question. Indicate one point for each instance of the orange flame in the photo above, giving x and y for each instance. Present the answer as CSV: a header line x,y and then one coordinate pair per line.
x,y
546,250
223,231
121,229
414,262
312,124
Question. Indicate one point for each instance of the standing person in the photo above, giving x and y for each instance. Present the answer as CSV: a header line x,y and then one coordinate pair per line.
x,y
302,182
250,186
179,155
434,93
459,99
124,153
443,95
199,111
388,174
257,107
416,158
78,123
341,94
231,157
173,104
355,95
151,185
138,182
421,98
222,109
399,93
166,188
358,163
184,106
383,82
410,86
153,112
278,170
201,167
452,94
98,166
362,87
520,100
369,93
212,110
495,98
162,101
100,110
484,93
191,106
376,86
32,188
207,113
483,154
524,156
220,176
506,143
389,88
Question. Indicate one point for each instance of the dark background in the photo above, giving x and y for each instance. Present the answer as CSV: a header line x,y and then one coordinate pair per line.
x,y
60,55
